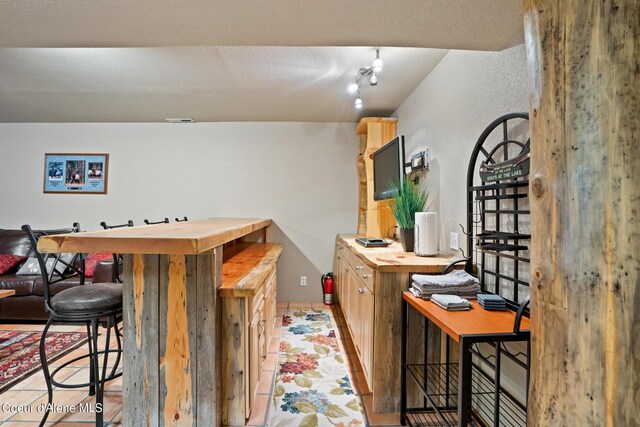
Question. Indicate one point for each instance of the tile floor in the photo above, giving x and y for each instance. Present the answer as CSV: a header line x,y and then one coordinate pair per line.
x,y
33,390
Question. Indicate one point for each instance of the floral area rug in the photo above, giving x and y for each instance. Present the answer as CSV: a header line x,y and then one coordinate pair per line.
x,y
312,386
20,356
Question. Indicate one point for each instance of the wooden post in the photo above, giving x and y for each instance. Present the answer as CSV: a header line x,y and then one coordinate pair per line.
x,y
585,202
171,337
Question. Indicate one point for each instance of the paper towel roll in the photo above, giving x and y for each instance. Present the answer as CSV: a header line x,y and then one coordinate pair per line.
x,y
426,233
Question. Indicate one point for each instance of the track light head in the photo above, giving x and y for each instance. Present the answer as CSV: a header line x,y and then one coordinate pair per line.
x,y
373,80
377,63
353,88
358,103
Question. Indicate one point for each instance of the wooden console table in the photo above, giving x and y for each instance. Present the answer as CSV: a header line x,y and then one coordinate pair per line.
x,y
171,314
446,384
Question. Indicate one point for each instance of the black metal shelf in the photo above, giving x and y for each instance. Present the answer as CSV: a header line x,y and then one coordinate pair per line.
x,y
501,186
440,389
501,235
502,196
501,247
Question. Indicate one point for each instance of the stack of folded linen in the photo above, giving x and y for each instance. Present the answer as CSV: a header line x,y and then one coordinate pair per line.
x,y
451,302
492,302
458,282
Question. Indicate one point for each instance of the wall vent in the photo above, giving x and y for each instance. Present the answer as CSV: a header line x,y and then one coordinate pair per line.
x,y
180,120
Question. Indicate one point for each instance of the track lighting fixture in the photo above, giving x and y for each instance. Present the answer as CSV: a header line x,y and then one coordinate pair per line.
x,y
373,80
364,72
377,63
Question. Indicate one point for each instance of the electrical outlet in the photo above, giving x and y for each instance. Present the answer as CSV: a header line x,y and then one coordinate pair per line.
x,y
303,280
453,241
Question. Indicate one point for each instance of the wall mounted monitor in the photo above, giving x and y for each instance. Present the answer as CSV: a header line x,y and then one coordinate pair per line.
x,y
388,168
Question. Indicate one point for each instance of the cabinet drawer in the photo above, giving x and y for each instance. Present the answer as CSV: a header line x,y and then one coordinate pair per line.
x,y
362,271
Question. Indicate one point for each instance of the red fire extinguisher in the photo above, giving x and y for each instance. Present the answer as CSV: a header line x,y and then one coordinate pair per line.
x,y
327,288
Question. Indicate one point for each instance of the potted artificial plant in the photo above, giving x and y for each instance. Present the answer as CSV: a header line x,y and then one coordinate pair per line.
x,y
409,200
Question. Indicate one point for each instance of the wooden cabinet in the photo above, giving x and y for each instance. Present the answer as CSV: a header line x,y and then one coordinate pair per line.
x,y
248,311
364,343
370,282
357,303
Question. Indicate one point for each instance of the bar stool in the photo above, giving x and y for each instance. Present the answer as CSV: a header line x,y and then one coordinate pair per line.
x,y
182,220
88,304
164,221
117,258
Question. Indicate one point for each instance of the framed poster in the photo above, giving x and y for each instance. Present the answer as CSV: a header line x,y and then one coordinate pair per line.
x,y
76,173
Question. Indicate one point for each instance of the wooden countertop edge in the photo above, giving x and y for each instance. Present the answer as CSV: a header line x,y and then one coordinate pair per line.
x,y
358,254
397,268
251,283
165,246
408,296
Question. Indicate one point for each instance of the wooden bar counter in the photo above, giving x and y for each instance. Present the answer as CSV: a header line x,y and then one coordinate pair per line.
x,y
172,314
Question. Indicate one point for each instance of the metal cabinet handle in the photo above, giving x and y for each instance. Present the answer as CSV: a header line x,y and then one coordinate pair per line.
x,y
361,290
359,267
365,276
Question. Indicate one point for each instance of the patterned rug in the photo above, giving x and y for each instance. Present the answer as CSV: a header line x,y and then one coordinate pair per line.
x,y
20,357
312,386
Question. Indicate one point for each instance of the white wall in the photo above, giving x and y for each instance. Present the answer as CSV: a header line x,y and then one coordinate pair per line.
x,y
302,175
448,111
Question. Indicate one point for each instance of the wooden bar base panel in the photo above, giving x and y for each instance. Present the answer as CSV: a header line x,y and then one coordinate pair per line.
x,y
171,334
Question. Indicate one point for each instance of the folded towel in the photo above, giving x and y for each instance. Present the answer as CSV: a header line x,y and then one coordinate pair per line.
x,y
453,279
426,294
451,302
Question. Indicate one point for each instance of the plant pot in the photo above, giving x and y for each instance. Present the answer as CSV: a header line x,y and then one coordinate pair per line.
x,y
406,239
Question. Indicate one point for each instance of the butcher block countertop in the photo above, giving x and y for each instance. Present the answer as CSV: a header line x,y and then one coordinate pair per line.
x,y
190,237
394,259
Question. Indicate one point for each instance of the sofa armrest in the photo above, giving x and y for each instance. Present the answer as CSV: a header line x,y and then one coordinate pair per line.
x,y
103,272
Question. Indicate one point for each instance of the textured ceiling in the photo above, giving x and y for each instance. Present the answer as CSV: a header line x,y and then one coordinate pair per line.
x,y
448,24
147,60
204,83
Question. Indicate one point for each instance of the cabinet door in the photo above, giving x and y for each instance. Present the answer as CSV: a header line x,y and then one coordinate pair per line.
x,y
346,291
337,275
256,344
354,307
366,333
269,307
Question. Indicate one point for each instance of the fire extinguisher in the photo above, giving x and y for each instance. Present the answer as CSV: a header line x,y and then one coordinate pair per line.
x,y
327,288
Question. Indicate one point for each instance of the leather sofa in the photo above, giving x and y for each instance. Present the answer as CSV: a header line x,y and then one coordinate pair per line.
x,y
28,301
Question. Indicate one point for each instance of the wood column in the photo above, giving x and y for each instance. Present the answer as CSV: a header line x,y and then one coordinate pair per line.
x,y
374,218
585,202
171,337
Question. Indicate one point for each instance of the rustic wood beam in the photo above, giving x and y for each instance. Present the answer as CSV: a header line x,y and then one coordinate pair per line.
x,y
584,59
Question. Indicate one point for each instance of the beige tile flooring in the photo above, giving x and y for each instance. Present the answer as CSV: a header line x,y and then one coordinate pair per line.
x,y
32,391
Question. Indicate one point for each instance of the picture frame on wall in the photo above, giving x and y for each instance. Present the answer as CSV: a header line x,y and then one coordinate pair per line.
x,y
68,173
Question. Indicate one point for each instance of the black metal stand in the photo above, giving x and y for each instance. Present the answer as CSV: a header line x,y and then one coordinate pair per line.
x,y
469,391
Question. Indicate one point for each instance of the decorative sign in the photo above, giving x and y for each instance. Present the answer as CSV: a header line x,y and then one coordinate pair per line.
x,y
509,169
76,173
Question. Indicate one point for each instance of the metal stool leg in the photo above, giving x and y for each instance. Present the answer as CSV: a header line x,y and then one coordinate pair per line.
x,y
96,374
45,369
119,344
92,380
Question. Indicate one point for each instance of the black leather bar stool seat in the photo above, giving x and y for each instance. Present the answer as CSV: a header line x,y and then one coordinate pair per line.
x,y
93,298
88,303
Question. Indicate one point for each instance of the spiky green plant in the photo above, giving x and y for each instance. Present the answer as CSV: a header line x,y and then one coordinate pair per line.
x,y
409,200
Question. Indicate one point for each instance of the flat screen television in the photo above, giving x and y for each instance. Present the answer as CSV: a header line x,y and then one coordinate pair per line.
x,y
388,168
